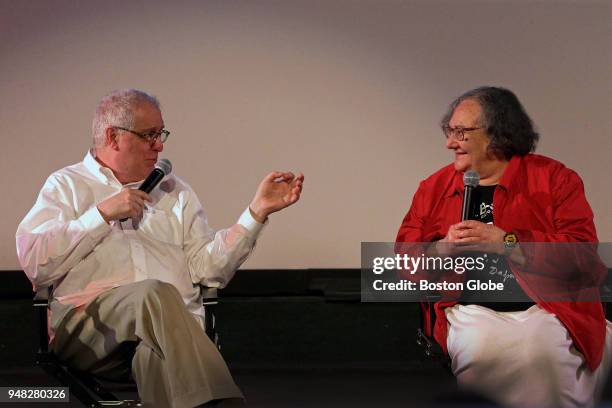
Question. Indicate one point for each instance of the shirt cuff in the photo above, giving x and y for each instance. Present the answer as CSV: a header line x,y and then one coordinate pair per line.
x,y
94,224
248,222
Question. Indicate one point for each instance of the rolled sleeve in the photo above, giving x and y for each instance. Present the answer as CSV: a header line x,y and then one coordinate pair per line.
x,y
251,224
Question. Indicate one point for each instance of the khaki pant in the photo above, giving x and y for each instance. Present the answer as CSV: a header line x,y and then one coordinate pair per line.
x,y
145,330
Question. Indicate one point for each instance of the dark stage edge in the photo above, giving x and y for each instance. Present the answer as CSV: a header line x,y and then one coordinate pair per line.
x,y
300,387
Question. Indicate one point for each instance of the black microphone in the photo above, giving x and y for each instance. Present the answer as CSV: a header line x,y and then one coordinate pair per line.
x,y
163,167
470,180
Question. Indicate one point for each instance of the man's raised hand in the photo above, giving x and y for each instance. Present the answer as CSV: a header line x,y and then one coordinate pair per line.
x,y
276,191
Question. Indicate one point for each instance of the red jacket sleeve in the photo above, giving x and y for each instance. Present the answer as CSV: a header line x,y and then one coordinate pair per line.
x,y
411,229
571,213
567,251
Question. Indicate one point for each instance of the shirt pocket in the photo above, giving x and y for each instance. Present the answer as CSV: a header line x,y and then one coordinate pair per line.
x,y
161,226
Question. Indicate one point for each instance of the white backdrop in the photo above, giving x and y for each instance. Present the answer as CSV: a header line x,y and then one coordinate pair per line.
x,y
348,92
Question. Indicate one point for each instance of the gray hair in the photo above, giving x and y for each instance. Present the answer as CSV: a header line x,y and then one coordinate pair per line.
x,y
117,109
509,127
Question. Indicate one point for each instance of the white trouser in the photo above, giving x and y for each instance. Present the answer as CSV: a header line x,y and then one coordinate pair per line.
x,y
522,359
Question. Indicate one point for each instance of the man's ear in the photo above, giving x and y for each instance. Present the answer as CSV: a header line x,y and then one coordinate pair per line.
x,y
110,138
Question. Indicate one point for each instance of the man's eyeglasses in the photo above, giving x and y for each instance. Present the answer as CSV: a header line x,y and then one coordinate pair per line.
x,y
150,137
458,133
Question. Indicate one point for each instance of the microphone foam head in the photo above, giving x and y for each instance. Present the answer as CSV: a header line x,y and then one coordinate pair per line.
x,y
471,178
164,165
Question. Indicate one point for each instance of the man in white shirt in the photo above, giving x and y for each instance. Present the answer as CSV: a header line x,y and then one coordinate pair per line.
x,y
126,266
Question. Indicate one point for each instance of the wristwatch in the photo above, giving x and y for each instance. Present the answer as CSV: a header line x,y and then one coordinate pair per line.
x,y
510,242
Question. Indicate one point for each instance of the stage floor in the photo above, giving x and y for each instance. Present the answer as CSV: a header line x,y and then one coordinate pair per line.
x,y
304,387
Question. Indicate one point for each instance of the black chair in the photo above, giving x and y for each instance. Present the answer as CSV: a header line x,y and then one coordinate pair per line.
x,y
91,391
430,346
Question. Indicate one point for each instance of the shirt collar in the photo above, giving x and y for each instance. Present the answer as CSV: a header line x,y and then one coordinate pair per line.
x,y
104,174
455,185
511,173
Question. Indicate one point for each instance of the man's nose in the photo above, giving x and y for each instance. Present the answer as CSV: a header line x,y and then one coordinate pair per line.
x,y
451,143
158,146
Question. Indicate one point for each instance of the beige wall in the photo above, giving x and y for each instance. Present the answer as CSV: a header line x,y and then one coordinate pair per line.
x,y
349,92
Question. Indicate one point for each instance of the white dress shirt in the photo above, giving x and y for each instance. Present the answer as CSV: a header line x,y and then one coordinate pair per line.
x,y
64,241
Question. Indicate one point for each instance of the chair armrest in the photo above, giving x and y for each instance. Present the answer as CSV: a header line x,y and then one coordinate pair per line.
x,y
41,305
210,300
42,296
209,295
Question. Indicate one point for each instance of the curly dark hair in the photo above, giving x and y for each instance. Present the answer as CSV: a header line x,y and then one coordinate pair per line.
x,y
511,130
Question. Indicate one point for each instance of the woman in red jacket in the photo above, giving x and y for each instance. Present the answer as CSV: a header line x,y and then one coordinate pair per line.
x,y
548,352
